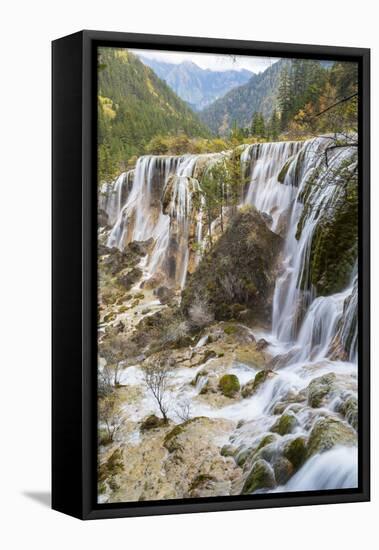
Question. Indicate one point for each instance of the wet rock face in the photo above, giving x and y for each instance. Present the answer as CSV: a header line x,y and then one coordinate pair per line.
x,y
320,388
229,385
152,422
240,269
285,424
251,387
261,476
296,451
334,244
328,432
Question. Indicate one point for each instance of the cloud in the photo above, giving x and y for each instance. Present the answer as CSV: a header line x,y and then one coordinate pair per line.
x,y
214,62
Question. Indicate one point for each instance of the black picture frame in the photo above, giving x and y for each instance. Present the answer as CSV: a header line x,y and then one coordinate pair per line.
x,y
74,304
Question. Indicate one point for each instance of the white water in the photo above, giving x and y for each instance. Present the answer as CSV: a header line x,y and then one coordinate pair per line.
x,y
303,324
334,469
314,334
141,217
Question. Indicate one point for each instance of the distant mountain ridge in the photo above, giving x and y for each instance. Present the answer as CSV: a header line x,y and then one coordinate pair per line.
x,y
198,87
134,106
259,94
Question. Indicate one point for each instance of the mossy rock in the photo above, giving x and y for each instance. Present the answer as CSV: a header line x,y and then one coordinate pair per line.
x,y
266,440
229,385
320,388
228,450
328,432
285,424
253,385
283,172
201,480
334,247
171,442
238,271
261,476
349,409
109,317
128,279
296,451
230,329
242,455
283,470
152,422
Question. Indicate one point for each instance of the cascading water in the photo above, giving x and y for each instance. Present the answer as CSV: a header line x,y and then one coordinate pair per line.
x,y
113,196
315,334
159,206
299,318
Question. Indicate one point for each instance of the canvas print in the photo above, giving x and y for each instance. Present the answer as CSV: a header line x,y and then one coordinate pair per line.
x,y
227,275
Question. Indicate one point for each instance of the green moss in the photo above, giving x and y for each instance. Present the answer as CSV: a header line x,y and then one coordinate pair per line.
x,y
230,329
201,480
152,422
261,476
229,385
320,388
334,246
228,450
285,424
328,432
296,451
349,409
266,440
237,273
108,471
109,317
283,172
170,441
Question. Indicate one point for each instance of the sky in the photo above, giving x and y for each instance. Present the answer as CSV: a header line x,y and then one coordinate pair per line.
x,y
214,62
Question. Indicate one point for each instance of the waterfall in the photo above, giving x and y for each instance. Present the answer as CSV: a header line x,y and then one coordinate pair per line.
x,y
335,469
263,162
293,182
113,196
160,206
312,346
283,177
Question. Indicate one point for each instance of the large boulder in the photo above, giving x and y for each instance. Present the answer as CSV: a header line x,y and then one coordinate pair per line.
x,y
296,451
251,387
261,476
328,432
334,246
320,388
239,269
285,423
229,385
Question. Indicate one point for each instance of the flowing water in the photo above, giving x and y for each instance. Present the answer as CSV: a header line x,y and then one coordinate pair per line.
x,y
156,201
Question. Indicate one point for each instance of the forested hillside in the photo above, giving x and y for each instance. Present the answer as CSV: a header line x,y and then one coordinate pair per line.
x,y
198,87
259,94
135,105
291,97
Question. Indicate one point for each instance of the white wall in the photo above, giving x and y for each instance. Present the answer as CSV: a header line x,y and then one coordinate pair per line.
x,y
27,29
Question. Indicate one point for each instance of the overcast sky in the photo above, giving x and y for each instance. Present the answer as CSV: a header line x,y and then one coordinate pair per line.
x,y
215,62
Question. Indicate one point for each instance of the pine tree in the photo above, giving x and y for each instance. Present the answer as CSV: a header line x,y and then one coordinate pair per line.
x,y
274,126
258,127
285,98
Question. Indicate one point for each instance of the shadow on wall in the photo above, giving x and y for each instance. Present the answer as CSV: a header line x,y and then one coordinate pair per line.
x,y
41,497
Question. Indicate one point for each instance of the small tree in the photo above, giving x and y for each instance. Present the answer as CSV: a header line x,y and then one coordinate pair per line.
x,y
115,349
156,378
110,415
184,410
221,186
